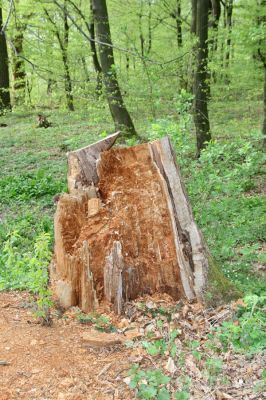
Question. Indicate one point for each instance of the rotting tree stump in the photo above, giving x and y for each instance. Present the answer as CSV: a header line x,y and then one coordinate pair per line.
x,y
126,228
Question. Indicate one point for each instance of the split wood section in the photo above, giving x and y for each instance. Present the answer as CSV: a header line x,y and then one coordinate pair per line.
x,y
126,228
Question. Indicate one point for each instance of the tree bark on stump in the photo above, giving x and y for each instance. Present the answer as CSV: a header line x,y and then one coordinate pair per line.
x,y
126,228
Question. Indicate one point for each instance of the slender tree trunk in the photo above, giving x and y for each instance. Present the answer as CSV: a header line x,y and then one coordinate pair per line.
x,y
193,24
19,74
200,89
4,73
262,57
264,108
149,29
63,44
214,23
116,104
141,36
68,82
179,24
95,60
229,13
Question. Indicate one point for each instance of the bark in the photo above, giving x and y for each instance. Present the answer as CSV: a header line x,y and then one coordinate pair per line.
x,y
201,84
96,63
5,102
63,44
193,25
141,36
229,13
19,74
177,16
126,229
120,115
262,58
214,23
264,107
91,29
64,50
19,70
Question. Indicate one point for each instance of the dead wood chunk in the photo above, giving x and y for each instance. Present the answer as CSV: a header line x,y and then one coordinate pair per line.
x,y
100,339
42,121
126,229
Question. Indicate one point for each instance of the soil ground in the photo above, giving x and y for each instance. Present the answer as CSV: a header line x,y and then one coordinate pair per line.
x,y
54,362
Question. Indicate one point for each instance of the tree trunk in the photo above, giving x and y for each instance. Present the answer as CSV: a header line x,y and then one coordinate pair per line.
x,y
179,24
63,44
214,23
67,81
200,88
64,49
193,24
229,13
4,73
126,229
120,115
264,107
262,57
19,74
96,63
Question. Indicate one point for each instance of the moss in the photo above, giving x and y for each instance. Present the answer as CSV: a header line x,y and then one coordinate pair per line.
x,y
219,290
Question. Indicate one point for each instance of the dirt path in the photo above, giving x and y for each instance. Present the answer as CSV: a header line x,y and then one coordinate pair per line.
x,y
54,362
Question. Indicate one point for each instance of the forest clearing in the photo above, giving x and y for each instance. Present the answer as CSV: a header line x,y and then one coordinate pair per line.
x,y
132,264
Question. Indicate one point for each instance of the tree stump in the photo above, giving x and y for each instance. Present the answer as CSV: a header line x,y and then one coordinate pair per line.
x,y
126,228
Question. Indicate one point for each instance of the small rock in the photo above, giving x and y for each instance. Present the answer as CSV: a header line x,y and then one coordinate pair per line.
x,y
127,380
33,342
170,366
149,328
150,305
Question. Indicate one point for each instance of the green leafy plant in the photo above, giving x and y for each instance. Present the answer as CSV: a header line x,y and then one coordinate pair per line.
x,y
213,368
150,384
101,322
248,331
29,185
28,271
159,346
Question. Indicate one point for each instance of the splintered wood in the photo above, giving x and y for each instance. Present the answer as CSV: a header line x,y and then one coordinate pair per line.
x,y
126,228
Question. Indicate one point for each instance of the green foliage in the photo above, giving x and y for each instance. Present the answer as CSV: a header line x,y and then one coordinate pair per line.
x,y
232,218
213,368
27,271
29,185
248,332
101,322
150,384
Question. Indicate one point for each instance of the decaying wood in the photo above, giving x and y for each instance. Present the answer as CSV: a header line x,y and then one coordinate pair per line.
x,y
126,228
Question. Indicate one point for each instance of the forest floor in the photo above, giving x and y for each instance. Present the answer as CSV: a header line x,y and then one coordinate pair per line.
x,y
73,361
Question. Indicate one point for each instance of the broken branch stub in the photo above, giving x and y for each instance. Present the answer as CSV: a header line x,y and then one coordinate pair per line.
x,y
126,228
